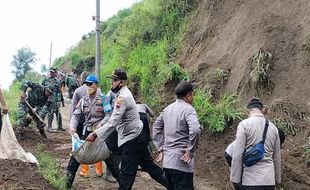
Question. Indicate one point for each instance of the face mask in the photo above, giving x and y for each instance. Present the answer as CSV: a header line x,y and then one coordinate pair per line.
x,y
116,89
90,90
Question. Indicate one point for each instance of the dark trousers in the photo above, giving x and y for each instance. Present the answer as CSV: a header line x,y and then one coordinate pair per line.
x,y
179,180
269,187
134,153
145,121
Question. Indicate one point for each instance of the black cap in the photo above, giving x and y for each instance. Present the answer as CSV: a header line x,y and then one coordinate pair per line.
x,y
255,103
119,74
183,88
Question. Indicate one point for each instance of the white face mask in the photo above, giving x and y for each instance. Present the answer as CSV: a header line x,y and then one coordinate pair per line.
x,y
90,90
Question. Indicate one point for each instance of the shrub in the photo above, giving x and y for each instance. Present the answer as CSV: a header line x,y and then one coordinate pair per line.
x,y
216,115
260,69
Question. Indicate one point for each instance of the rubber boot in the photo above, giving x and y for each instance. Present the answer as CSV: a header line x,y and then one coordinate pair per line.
x,y
99,170
84,170
49,124
59,122
69,181
108,176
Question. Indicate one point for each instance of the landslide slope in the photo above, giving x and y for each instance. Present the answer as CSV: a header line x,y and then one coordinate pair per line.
x,y
225,34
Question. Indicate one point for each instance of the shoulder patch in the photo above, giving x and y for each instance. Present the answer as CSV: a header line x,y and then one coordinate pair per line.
x,y
118,102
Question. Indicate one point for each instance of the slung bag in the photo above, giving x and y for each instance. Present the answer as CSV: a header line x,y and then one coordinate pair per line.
x,y
255,153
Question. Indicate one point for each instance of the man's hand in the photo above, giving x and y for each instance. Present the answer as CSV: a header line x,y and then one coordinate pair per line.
x,y
186,158
91,137
34,110
71,130
235,186
23,97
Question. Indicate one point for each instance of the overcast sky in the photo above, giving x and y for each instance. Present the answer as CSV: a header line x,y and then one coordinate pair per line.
x,y
37,23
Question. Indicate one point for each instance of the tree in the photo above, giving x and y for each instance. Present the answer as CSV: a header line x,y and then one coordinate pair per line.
x,y
44,69
22,62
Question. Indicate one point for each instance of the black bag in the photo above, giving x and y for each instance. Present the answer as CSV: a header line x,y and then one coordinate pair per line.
x,y
255,153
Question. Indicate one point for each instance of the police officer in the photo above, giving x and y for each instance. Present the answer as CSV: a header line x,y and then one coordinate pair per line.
x,y
4,107
175,134
132,139
55,83
90,107
39,98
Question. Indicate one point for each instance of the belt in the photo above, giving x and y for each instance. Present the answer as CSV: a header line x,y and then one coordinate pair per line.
x,y
91,128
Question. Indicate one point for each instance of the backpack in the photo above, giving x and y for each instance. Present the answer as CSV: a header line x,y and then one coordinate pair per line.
x,y
255,153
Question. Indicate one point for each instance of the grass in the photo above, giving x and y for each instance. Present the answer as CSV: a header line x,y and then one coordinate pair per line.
x,y
216,116
50,168
12,97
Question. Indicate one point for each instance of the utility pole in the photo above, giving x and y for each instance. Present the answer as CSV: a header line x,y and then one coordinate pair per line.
x,y
50,63
97,66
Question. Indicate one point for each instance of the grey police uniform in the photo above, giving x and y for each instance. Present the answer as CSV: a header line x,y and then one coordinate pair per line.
x,y
132,140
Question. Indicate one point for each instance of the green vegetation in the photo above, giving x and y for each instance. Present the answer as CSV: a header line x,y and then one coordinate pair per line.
x,y
12,97
286,125
216,116
22,62
144,40
260,68
49,167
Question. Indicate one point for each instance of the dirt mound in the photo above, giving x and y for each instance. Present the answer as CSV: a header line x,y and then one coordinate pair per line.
x,y
224,36
16,174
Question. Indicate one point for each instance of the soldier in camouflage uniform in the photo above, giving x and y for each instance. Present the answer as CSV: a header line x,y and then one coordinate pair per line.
x,y
55,84
72,83
39,98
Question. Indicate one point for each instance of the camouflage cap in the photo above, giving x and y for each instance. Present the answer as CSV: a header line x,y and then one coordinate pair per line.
x,y
53,69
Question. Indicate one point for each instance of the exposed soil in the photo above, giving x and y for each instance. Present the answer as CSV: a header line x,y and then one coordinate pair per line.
x,y
225,34
16,174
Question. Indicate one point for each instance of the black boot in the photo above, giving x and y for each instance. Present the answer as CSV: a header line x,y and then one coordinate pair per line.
x,y
70,179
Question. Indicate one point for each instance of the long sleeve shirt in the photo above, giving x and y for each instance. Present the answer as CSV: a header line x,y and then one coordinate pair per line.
x,y
92,110
176,131
124,118
268,170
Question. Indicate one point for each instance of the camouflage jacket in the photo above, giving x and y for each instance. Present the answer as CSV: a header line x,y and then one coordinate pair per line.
x,y
55,85
72,81
36,96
